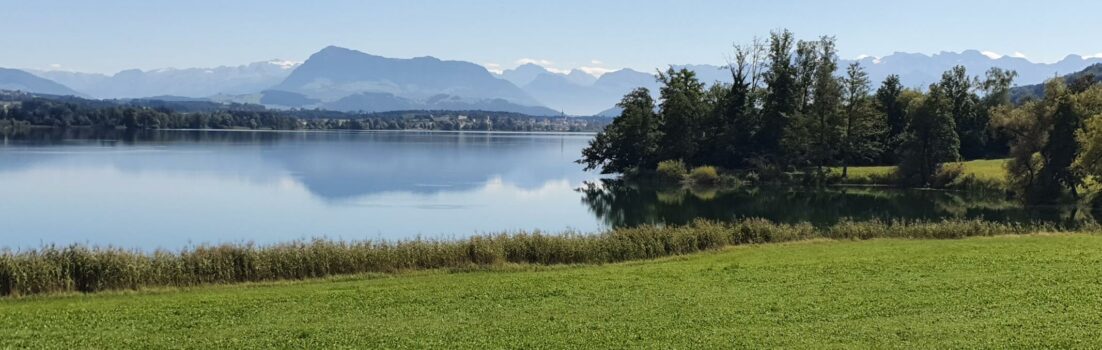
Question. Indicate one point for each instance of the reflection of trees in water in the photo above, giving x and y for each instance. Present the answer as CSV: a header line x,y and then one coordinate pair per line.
x,y
621,203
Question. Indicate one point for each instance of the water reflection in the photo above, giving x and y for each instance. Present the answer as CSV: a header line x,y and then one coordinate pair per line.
x,y
174,188
332,165
169,189
618,204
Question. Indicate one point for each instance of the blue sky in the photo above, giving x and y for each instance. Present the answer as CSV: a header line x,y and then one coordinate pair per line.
x,y
111,35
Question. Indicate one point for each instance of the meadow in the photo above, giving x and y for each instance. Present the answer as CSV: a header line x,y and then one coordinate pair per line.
x,y
987,172
1026,291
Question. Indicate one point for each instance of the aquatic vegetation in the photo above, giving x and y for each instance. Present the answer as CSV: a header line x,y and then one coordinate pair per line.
x,y
78,268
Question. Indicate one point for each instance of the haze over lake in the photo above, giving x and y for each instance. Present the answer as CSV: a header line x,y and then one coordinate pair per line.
x,y
172,189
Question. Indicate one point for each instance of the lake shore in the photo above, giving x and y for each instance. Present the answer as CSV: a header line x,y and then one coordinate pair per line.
x,y
78,268
1007,291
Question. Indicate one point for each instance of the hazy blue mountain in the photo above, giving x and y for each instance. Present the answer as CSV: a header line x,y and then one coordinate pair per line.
x,y
371,102
14,79
188,82
577,92
581,78
523,74
918,70
286,99
334,73
383,102
611,112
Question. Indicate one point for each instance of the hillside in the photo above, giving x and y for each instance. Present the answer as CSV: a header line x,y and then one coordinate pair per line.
x,y
1021,93
14,79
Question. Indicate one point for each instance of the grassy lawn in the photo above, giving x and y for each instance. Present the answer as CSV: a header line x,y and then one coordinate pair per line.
x,y
1011,291
983,169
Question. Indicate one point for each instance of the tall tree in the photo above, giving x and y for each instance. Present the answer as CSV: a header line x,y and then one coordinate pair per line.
x,y
806,63
711,146
630,143
931,138
996,93
780,96
890,104
1043,144
958,88
681,109
826,102
863,128
740,117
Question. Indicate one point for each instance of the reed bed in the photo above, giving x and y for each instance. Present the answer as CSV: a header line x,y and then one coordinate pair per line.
x,y
77,268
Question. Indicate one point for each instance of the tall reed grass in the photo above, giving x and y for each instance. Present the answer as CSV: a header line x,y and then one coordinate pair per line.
x,y
53,269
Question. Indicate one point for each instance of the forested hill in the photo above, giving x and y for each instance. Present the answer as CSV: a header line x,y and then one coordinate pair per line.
x,y
1089,75
20,109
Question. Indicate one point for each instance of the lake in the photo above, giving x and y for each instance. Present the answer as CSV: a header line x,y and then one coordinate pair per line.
x,y
171,189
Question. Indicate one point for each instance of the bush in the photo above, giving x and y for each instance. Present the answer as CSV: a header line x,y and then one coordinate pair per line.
x,y
704,175
946,174
671,170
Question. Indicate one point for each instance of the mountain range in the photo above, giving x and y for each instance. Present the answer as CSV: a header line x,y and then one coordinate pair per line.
x,y
14,79
349,80
189,82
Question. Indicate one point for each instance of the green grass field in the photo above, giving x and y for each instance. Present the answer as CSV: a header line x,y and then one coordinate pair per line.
x,y
993,170
1009,291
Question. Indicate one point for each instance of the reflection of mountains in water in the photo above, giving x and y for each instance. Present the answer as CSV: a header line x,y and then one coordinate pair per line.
x,y
338,165
620,204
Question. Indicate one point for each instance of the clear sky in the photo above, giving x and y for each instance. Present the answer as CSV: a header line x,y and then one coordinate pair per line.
x,y
111,35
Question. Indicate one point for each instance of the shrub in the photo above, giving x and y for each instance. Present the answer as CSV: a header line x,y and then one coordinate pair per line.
x,y
671,170
704,175
946,174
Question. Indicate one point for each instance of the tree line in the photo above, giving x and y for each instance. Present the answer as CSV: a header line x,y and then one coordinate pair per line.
x,y
63,112
788,112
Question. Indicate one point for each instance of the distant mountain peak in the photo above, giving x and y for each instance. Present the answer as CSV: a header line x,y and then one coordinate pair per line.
x,y
15,79
358,79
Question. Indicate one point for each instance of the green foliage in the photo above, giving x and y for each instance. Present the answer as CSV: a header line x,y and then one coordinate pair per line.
x,y
680,113
813,136
671,170
893,107
794,118
930,139
1045,144
780,101
630,142
863,129
63,112
958,90
705,176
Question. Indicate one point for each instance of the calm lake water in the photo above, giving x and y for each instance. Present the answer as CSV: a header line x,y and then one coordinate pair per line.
x,y
171,189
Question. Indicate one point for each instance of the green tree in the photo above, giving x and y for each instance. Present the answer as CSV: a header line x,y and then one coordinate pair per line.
x,y
814,136
996,93
890,104
930,139
1089,160
630,143
1043,144
779,102
680,112
739,115
711,144
863,128
959,88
